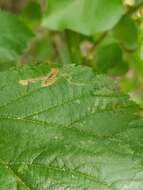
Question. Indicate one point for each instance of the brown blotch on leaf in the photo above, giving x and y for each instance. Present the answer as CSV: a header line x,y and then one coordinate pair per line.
x,y
46,80
52,77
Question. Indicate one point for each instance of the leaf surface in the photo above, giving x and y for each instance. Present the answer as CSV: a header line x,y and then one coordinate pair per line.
x,y
67,129
83,16
14,37
127,33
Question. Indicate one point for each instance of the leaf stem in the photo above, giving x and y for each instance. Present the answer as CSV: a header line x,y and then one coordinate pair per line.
x,y
61,48
73,40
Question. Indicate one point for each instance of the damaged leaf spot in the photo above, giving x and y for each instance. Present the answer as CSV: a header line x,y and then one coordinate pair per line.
x,y
52,77
46,80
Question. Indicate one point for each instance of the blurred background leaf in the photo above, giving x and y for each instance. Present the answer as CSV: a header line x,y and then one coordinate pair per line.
x,y
14,38
82,16
126,32
32,14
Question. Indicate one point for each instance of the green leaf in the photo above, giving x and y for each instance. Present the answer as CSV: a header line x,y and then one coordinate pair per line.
x,y
32,14
14,36
68,129
83,16
127,33
120,68
108,58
